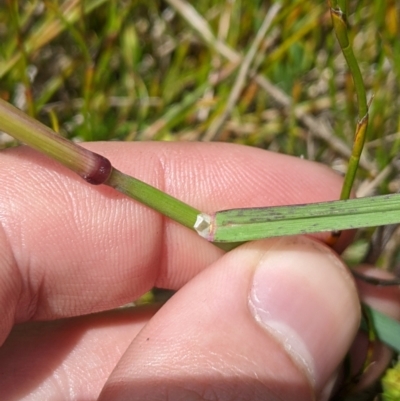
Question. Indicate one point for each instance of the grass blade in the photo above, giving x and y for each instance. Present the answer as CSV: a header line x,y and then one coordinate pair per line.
x,y
256,223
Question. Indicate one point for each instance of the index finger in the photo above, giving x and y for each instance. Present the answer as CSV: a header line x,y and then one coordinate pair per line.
x,y
69,248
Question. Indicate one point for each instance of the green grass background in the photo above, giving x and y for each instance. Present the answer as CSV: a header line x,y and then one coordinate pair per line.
x,y
143,70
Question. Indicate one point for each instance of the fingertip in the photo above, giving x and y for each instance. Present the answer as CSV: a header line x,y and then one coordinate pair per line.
x,y
258,323
302,293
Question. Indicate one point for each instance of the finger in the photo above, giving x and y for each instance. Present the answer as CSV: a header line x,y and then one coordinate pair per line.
x,y
258,324
49,360
69,248
387,301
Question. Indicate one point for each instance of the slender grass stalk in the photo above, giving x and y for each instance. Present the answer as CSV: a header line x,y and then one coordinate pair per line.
x,y
339,19
338,9
153,197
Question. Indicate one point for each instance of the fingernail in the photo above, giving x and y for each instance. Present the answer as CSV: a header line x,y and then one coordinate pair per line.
x,y
303,295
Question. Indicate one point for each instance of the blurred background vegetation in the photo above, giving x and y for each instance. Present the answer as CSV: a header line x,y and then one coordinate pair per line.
x,y
175,70
142,70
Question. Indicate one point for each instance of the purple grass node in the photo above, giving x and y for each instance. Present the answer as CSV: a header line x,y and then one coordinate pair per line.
x,y
100,172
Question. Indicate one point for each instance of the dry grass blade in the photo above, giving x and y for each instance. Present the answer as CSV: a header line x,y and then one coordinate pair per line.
x,y
317,128
213,132
201,26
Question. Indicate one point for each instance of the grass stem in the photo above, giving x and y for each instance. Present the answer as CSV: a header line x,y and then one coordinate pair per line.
x,y
339,19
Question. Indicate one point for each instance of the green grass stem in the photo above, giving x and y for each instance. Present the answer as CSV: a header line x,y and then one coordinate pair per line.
x,y
92,167
339,20
89,165
153,198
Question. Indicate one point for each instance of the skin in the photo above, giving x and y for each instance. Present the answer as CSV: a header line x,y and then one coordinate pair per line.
x,y
253,324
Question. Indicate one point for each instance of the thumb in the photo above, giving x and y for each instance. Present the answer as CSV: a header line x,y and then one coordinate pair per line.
x,y
272,319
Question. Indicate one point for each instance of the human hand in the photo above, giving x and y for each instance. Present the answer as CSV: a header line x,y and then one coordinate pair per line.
x,y
272,319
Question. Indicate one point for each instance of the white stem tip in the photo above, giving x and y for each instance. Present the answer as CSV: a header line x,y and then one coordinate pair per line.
x,y
203,225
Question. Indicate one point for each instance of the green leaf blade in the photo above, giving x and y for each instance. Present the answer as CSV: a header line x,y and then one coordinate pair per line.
x,y
255,223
